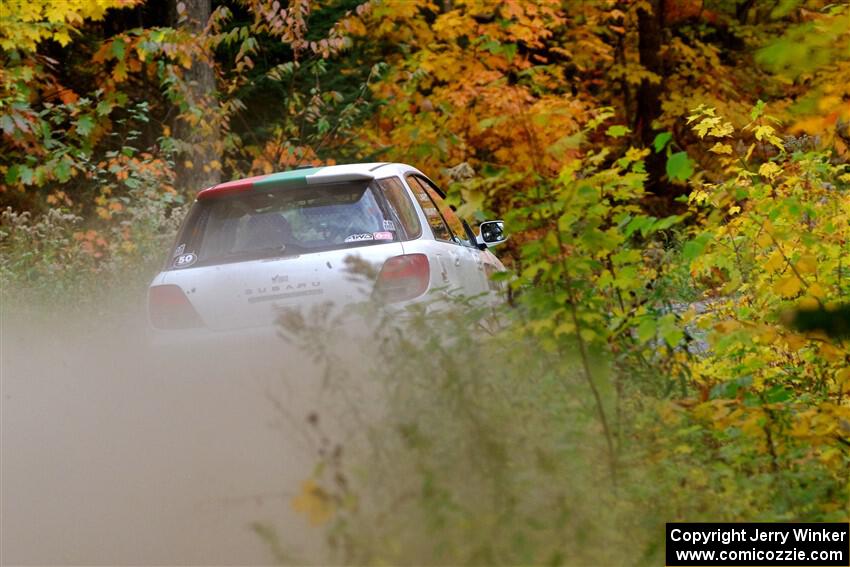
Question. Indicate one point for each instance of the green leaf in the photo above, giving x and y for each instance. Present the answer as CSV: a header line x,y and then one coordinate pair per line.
x,y
637,223
62,170
323,125
103,108
667,222
646,329
672,336
85,125
778,394
492,46
757,110
570,142
26,175
669,331
730,389
661,141
7,124
679,167
13,174
118,48
694,248
617,131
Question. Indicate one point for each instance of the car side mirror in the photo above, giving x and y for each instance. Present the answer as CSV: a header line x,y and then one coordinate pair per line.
x,y
491,233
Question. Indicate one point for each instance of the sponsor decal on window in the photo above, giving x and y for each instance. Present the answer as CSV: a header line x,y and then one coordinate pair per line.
x,y
359,237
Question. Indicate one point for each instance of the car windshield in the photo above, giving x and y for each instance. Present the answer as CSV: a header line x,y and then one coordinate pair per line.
x,y
259,224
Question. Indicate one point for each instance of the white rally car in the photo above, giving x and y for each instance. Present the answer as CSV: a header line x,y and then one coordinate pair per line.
x,y
252,247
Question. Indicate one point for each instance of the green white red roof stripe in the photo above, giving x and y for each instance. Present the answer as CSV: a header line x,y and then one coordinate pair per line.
x,y
292,178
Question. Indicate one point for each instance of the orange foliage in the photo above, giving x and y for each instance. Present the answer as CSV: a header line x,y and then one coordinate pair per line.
x,y
478,86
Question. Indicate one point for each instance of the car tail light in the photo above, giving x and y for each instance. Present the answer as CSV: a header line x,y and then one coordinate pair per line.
x,y
169,308
403,277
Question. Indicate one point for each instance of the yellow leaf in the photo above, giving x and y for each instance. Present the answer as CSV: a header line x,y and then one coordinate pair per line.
x,y
795,342
62,37
775,262
453,24
723,130
669,414
706,124
699,197
727,326
766,335
816,290
788,287
831,457
634,154
828,352
314,503
765,132
565,328
801,427
751,425
842,381
807,264
769,170
719,148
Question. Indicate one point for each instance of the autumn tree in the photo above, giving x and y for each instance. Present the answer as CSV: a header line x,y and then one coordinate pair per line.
x,y
196,126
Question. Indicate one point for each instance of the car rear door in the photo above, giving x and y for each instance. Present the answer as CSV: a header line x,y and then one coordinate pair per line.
x,y
441,251
458,250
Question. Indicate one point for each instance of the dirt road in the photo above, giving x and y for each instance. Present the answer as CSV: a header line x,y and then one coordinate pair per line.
x,y
111,455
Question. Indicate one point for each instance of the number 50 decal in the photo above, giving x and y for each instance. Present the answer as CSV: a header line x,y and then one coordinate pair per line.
x,y
185,260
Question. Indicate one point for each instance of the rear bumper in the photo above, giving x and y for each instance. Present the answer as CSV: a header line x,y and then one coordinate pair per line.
x,y
271,338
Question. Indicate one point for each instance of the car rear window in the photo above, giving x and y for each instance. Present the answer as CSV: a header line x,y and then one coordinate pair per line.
x,y
284,222
401,206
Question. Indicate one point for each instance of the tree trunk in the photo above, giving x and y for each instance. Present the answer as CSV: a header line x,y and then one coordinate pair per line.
x,y
742,11
650,42
197,126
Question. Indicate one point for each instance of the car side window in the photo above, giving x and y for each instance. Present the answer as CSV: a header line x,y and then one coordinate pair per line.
x,y
454,222
400,205
435,219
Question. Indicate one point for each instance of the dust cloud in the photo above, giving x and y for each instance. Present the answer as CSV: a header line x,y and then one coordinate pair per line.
x,y
117,453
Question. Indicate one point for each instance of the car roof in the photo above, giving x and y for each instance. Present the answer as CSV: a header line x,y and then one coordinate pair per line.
x,y
308,176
